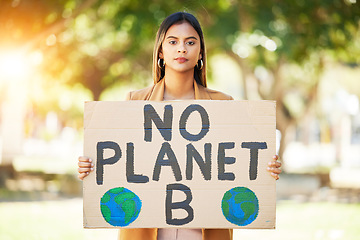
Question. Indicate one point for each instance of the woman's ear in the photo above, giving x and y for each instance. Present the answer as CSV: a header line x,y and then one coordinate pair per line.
x,y
200,56
161,55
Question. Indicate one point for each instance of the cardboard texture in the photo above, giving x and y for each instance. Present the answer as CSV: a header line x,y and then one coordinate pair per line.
x,y
179,164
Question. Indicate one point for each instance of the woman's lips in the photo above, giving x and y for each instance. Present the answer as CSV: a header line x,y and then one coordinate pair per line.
x,y
181,59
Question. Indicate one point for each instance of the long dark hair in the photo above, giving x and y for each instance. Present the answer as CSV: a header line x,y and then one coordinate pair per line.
x,y
176,18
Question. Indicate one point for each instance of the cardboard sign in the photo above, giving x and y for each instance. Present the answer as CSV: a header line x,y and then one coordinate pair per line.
x,y
181,164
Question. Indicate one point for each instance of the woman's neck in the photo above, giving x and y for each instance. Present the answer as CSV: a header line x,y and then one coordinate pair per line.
x,y
179,86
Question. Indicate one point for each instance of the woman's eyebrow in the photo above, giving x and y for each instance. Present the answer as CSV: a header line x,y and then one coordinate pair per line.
x,y
192,37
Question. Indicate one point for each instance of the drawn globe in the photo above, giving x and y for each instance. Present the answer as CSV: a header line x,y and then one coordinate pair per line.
x,y
240,206
120,206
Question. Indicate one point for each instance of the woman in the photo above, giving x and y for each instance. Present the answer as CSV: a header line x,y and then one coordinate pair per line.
x,y
179,72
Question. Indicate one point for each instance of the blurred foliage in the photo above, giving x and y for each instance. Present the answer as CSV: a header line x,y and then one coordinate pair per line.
x,y
281,46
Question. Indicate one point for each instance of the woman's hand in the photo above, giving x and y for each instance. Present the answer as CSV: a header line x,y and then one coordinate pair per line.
x,y
274,167
85,167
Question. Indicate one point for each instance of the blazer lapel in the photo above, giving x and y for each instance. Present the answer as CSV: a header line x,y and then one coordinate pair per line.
x,y
201,92
157,93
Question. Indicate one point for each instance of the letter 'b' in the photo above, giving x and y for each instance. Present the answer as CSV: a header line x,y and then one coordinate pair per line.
x,y
169,205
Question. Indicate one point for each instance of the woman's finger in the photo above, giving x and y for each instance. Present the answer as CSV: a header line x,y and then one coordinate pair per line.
x,y
276,164
81,176
85,169
84,159
85,164
274,175
274,170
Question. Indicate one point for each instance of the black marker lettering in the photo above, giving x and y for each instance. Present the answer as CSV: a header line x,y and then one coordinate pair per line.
x,y
204,119
164,127
254,152
100,147
171,161
130,175
222,160
170,205
205,166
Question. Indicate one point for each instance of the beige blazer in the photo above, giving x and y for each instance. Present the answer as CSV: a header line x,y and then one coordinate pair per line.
x,y
156,93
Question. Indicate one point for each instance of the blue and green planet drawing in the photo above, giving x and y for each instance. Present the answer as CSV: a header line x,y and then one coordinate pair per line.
x,y
240,206
120,206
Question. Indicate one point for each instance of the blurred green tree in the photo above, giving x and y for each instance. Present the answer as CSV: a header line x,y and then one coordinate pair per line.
x,y
280,46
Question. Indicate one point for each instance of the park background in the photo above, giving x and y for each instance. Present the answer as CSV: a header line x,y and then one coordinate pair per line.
x,y
54,55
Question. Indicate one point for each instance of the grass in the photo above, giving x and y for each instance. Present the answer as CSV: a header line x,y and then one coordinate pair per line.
x,y
47,220
320,221
62,219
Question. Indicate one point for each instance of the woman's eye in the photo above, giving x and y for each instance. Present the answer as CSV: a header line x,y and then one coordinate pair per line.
x,y
172,42
190,43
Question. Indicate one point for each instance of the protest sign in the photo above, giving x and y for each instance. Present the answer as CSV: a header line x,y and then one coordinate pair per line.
x,y
182,164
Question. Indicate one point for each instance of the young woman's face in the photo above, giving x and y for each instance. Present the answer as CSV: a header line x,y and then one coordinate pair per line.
x,y
181,48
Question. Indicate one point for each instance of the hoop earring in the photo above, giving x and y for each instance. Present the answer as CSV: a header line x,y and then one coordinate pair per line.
x,y
159,63
201,64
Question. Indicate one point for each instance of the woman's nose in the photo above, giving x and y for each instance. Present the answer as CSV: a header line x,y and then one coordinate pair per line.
x,y
182,49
